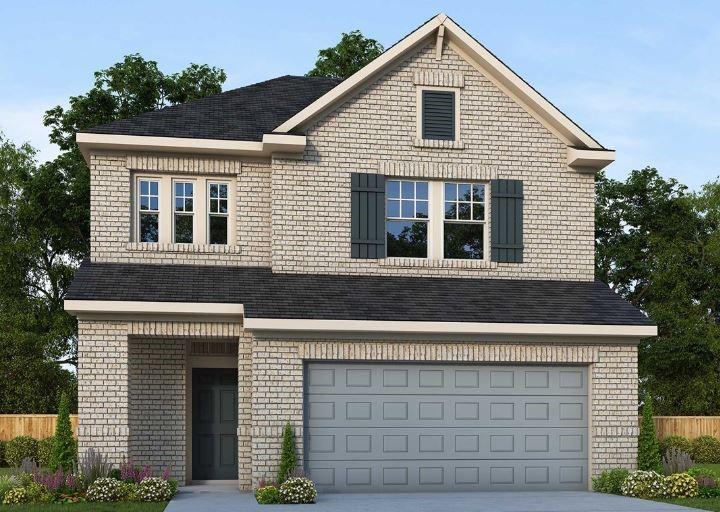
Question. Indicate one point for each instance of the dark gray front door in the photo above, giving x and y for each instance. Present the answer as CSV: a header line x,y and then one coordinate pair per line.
x,y
214,424
445,427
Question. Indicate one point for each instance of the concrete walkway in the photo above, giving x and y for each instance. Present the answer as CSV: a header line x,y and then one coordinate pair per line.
x,y
217,498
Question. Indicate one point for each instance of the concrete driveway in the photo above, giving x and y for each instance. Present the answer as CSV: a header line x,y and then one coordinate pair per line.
x,y
228,499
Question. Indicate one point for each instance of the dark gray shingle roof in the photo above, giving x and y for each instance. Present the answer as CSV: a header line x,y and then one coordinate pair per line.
x,y
339,297
239,114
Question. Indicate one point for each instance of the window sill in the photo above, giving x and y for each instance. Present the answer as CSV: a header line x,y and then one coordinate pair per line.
x,y
183,248
427,263
439,144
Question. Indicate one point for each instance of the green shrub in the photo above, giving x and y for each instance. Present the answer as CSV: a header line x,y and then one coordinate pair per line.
x,y
644,484
699,471
154,489
127,491
681,485
22,447
44,451
103,489
37,493
610,482
2,453
7,482
679,442
298,489
705,450
64,452
268,495
15,496
288,454
648,458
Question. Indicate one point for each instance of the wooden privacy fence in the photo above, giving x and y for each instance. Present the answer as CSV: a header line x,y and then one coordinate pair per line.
x,y
687,426
38,426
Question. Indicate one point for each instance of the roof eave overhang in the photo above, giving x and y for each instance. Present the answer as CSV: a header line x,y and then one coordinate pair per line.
x,y
142,309
271,143
590,160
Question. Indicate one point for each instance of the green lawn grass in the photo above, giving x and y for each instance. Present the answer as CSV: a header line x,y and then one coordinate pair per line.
x,y
714,467
85,507
700,503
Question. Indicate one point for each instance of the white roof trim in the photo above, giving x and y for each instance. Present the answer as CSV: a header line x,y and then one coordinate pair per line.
x,y
499,73
89,142
80,307
591,159
372,326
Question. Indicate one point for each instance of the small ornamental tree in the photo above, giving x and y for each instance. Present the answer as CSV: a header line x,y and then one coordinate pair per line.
x,y
288,457
63,454
648,447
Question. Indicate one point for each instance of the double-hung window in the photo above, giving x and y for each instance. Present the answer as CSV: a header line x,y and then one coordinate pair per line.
x,y
436,220
407,218
217,213
149,210
184,212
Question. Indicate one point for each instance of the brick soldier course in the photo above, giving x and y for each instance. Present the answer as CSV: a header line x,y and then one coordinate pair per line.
x,y
140,337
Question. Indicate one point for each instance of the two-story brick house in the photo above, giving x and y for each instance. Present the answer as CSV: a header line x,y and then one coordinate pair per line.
x,y
400,264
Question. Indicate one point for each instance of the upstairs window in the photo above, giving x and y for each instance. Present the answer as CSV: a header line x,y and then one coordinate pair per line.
x,y
149,211
407,210
218,213
438,115
464,221
184,212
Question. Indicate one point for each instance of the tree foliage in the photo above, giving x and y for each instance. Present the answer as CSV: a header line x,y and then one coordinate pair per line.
x,y
352,53
648,448
658,245
64,452
45,226
288,454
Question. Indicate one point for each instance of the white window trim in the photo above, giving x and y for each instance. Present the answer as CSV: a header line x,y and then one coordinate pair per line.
x,y
436,221
166,204
419,112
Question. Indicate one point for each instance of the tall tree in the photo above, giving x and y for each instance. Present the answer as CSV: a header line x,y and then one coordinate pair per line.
x,y
45,232
353,52
659,247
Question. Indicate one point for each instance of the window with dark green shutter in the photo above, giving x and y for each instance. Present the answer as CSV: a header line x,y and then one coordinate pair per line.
x,y
367,205
506,221
438,115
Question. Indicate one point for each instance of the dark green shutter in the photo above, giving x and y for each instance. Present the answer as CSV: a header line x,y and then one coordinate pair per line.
x,y
438,115
506,223
368,215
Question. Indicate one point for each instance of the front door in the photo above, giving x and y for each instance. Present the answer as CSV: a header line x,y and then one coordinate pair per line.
x,y
215,405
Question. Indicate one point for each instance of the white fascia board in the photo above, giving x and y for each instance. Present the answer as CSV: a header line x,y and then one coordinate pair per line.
x,y
80,307
372,326
593,160
363,75
276,142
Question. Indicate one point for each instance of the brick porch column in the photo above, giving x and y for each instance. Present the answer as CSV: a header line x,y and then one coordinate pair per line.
x,y
103,399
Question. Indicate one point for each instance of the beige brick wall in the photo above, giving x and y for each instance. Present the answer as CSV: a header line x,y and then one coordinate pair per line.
x,y
375,132
111,211
278,387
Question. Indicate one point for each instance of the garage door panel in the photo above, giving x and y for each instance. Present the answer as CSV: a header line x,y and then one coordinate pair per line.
x,y
424,427
456,443
444,379
443,475
353,411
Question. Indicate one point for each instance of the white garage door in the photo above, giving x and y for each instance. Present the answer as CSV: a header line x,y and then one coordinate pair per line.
x,y
422,427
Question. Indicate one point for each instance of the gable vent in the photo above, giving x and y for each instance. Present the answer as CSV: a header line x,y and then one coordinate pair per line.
x,y
438,115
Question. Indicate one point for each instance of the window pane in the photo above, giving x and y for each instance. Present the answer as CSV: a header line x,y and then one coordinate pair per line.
x,y
188,205
213,190
154,188
421,209
464,191
144,203
393,189
223,191
463,241
421,190
218,230
408,209
450,192
179,189
479,193
188,189
393,208
478,211
407,239
144,187
408,189
450,210
153,203
223,206
183,229
179,204
149,227
464,211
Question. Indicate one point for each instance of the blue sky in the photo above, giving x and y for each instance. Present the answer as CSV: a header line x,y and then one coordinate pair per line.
x,y
641,77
